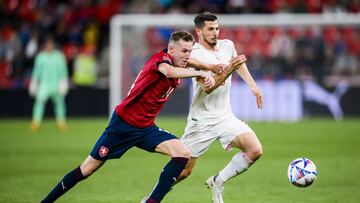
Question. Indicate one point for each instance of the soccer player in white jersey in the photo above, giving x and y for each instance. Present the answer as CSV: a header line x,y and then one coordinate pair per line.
x,y
210,117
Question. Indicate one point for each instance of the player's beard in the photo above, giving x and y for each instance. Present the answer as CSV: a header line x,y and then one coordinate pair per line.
x,y
211,44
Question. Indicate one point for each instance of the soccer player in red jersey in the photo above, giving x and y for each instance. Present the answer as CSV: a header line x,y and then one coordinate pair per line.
x,y
132,123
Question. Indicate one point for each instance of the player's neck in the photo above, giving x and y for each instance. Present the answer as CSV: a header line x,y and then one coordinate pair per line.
x,y
207,46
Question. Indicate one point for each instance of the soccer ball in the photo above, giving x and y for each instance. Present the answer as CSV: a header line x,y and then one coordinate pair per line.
x,y
302,172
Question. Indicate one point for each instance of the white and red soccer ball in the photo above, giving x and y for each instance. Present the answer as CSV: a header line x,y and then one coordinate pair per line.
x,y
302,172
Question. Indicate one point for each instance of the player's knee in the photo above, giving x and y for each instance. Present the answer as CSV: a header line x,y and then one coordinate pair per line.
x,y
255,153
183,153
87,170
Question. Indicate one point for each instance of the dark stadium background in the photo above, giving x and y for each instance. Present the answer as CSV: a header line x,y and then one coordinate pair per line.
x,y
79,24
33,162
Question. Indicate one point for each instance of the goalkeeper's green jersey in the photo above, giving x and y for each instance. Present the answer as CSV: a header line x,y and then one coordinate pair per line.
x,y
49,69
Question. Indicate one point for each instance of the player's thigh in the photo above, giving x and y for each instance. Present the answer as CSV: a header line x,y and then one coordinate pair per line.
x,y
198,138
173,148
249,143
42,95
117,138
156,139
229,130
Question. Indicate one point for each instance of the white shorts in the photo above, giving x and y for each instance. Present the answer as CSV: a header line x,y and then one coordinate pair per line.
x,y
199,136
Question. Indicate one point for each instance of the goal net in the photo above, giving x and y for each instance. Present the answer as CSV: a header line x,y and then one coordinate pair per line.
x,y
280,49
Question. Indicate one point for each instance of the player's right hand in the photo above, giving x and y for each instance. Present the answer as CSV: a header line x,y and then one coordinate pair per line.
x,y
259,97
33,87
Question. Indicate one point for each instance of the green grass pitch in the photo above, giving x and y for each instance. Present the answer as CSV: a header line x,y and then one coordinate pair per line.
x,y
32,163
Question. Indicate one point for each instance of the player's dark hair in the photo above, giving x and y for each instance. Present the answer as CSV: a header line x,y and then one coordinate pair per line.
x,y
184,35
201,18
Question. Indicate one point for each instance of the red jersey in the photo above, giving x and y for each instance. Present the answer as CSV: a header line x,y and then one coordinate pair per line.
x,y
148,94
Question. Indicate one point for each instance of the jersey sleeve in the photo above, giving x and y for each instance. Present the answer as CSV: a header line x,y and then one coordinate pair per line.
x,y
195,53
232,48
163,58
37,68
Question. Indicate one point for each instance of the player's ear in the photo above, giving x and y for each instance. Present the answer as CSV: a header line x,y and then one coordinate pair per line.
x,y
170,48
197,30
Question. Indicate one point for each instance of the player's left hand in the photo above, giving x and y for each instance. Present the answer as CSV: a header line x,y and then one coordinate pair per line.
x,y
259,98
218,68
235,63
208,80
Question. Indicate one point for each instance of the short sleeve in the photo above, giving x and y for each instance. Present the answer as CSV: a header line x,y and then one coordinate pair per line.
x,y
196,53
159,60
232,48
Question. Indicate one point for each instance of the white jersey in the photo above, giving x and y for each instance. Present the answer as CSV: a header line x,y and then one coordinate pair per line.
x,y
210,117
211,108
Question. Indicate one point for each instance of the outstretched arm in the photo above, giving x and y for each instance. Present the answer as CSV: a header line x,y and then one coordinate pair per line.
x,y
175,72
215,68
246,76
220,79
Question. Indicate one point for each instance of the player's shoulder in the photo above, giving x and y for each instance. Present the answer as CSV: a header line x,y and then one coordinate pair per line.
x,y
164,56
226,42
197,47
41,55
197,50
161,55
158,58
59,53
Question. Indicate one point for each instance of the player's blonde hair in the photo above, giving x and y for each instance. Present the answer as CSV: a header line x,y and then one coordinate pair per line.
x,y
178,35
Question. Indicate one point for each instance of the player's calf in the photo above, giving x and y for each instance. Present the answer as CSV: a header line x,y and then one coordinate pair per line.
x,y
238,164
184,174
80,173
187,170
167,178
65,184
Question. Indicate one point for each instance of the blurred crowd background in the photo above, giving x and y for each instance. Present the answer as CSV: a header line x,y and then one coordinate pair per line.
x,y
81,30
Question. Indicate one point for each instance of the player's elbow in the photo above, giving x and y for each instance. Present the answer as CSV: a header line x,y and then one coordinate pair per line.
x,y
171,72
167,71
167,75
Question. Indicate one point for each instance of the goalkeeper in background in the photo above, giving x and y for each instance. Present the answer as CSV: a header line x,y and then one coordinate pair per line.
x,y
49,79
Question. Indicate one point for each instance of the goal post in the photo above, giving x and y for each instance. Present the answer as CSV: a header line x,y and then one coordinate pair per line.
x,y
130,28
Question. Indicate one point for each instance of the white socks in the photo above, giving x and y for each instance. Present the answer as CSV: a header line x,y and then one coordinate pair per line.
x,y
238,164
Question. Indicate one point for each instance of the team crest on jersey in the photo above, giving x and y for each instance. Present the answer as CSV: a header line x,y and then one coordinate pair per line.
x,y
103,151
